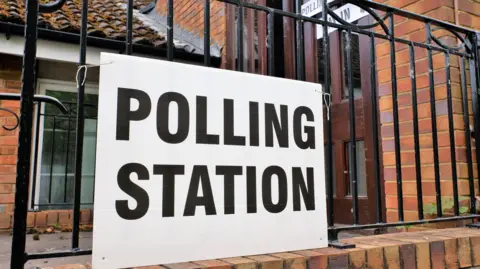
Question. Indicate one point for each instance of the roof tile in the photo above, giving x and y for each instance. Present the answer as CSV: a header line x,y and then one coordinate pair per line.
x,y
106,18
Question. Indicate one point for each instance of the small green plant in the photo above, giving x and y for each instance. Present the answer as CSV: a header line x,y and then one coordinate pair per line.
x,y
430,209
36,237
463,209
405,226
447,205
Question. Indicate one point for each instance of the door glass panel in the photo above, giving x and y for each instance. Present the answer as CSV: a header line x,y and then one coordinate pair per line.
x,y
321,64
332,172
361,171
355,59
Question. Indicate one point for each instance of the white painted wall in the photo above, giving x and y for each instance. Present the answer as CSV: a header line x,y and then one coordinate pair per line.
x,y
60,51
51,50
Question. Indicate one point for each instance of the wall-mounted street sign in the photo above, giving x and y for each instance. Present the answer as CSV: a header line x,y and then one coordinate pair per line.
x,y
313,7
348,12
199,163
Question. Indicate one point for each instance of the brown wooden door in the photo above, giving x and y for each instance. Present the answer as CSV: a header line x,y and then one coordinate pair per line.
x,y
340,118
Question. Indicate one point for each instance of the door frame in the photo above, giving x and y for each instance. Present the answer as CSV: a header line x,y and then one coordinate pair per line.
x,y
42,85
311,67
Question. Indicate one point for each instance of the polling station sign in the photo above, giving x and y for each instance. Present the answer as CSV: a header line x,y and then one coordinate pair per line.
x,y
198,163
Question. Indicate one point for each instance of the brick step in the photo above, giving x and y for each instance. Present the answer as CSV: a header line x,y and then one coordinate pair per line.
x,y
447,248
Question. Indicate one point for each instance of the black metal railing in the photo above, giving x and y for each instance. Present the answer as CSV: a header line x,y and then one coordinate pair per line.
x,y
381,30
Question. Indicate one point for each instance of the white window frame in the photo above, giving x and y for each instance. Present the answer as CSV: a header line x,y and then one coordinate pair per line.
x,y
42,86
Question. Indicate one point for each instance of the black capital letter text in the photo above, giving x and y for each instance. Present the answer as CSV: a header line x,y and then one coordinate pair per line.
x,y
202,135
267,189
309,130
308,193
125,115
229,172
229,125
199,174
132,189
163,117
280,126
168,193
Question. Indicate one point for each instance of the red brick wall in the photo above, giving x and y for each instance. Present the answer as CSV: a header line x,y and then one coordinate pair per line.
x,y
10,73
415,31
188,14
469,13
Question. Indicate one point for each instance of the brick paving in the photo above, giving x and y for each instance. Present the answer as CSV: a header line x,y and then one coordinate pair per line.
x,y
60,241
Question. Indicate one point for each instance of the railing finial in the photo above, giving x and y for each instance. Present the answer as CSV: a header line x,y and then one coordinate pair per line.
x,y
51,7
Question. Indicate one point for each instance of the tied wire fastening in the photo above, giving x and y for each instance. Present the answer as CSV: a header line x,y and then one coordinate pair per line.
x,y
327,99
86,66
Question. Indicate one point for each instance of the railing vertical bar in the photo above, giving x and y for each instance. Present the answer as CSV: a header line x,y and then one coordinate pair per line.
x,y
80,129
66,158
262,49
451,128
474,81
300,52
353,134
416,133
300,43
129,39
250,40
271,45
52,159
206,33
170,46
35,155
396,125
240,38
375,136
468,143
328,125
22,180
433,110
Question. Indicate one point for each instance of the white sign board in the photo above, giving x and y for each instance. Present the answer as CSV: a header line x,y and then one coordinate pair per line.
x,y
198,163
348,12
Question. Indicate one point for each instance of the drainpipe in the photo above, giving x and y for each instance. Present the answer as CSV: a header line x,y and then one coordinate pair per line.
x,y
455,8
455,15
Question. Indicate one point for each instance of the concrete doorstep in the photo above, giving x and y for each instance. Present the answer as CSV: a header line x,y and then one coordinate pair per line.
x,y
447,248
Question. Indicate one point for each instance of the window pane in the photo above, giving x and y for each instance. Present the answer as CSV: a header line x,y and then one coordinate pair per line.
x,y
89,147
57,167
88,167
361,171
